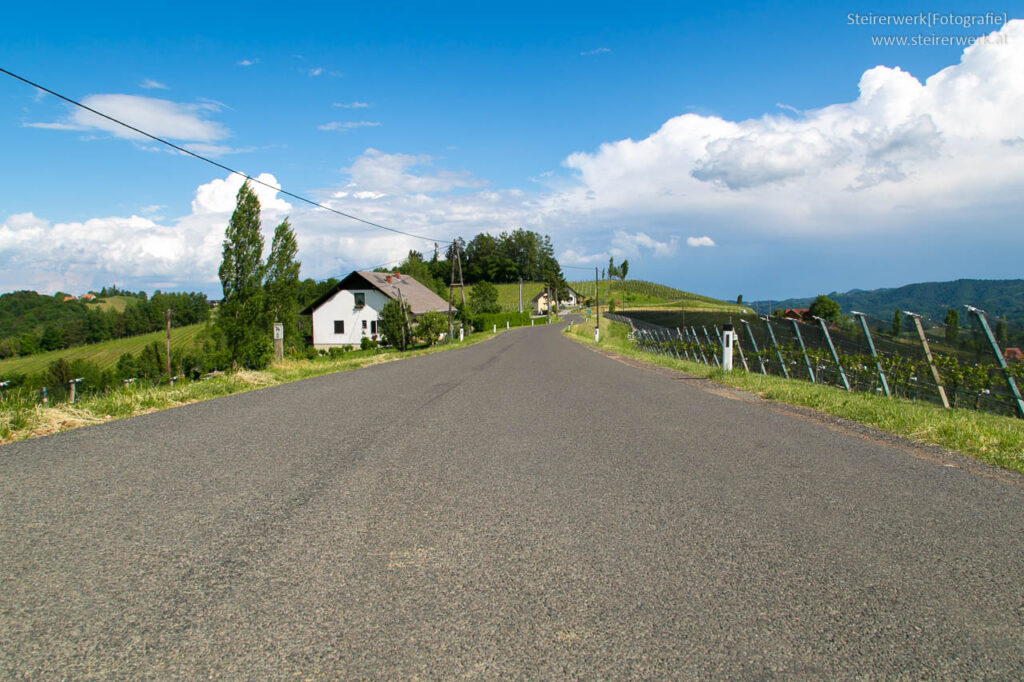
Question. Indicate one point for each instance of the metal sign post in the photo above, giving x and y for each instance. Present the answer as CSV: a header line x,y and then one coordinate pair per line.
x,y
278,341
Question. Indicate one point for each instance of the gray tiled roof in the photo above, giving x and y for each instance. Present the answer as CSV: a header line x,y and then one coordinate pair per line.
x,y
419,298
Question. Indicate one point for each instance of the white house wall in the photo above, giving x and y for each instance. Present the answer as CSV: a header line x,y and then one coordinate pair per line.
x,y
342,306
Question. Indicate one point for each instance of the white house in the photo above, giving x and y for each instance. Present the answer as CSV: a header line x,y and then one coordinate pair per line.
x,y
349,311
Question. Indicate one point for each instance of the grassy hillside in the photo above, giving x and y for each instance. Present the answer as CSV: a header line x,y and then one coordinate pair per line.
x,y
997,297
117,303
641,294
508,295
104,354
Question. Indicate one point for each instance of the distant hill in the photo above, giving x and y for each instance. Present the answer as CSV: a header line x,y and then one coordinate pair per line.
x,y
997,297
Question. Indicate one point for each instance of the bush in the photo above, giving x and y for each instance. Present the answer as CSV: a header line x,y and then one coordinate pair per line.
x,y
487,321
430,326
367,343
336,352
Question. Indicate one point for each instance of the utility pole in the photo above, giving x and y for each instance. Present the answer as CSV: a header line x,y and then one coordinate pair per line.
x,y
405,318
168,343
451,289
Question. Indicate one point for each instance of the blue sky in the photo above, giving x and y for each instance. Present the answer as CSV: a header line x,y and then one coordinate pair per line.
x,y
631,130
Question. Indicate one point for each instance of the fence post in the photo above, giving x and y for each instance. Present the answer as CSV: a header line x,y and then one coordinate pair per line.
x,y
714,353
739,347
832,349
999,357
700,346
753,344
778,351
928,355
686,351
874,354
803,349
727,337
71,390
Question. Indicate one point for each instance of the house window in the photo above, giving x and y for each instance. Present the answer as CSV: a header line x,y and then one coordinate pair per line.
x,y
339,326
364,325
360,300
373,327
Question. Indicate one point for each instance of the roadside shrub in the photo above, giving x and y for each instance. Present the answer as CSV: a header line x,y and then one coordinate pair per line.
x,y
430,326
367,343
486,321
337,352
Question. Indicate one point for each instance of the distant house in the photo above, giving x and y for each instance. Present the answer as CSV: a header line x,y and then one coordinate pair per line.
x,y
799,314
70,298
1013,354
350,310
88,297
541,303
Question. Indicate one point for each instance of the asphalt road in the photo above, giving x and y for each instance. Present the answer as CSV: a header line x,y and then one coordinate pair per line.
x,y
522,508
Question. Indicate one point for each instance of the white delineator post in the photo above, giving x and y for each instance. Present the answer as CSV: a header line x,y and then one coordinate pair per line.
x,y
597,334
728,341
462,332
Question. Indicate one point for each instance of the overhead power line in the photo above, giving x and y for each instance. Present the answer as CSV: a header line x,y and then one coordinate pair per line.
x,y
215,163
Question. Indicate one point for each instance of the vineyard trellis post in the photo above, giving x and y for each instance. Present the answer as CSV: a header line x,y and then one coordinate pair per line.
x,y
928,355
739,347
871,345
980,314
700,346
832,349
714,353
753,344
803,348
775,344
686,351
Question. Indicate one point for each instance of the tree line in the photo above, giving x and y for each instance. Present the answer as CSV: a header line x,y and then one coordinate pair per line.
x,y
33,323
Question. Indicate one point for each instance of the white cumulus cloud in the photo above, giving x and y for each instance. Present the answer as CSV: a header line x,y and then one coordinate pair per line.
x,y
160,117
700,241
348,125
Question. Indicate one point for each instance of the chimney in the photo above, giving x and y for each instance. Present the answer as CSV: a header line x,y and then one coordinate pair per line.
x,y
398,275
388,278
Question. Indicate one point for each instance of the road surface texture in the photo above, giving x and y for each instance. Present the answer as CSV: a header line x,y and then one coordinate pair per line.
x,y
524,508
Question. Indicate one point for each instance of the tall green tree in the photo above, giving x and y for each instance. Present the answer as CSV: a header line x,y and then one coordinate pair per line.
x,y
241,315
394,325
483,298
825,308
952,326
897,322
282,282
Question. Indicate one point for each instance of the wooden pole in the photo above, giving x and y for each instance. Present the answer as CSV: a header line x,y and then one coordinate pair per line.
x,y
451,289
168,343
928,355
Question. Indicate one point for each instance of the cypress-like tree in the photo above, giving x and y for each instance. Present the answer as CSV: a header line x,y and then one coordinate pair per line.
x,y
282,282
897,322
952,326
241,315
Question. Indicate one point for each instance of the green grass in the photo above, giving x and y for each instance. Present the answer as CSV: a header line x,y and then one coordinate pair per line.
x,y
21,417
104,354
641,294
989,438
508,295
118,303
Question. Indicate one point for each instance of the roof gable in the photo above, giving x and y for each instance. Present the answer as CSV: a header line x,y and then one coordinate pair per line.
x,y
419,298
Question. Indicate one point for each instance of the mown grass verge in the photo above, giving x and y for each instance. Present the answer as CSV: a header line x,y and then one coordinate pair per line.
x,y
21,417
990,438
